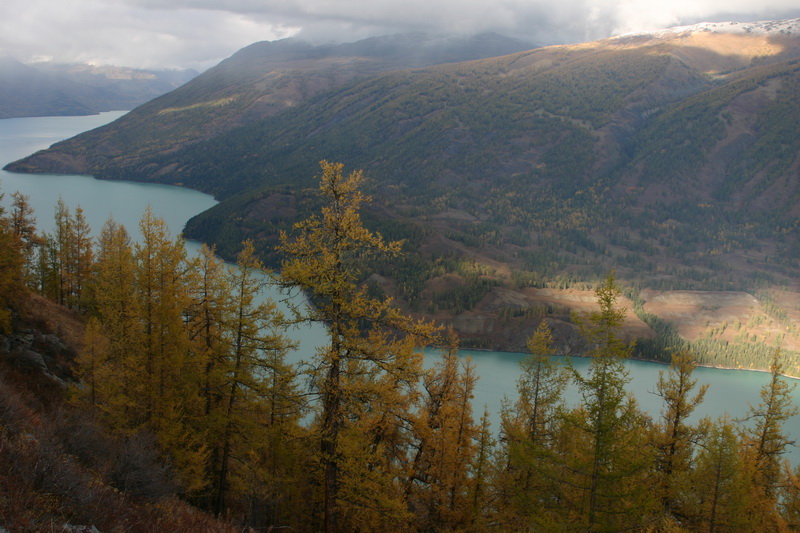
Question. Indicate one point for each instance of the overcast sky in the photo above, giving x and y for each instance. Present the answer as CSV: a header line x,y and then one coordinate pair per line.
x,y
200,33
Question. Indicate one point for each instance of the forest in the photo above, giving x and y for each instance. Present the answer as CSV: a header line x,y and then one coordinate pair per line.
x,y
518,181
184,369
668,159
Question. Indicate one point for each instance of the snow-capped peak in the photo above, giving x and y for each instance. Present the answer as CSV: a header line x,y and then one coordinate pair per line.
x,y
789,27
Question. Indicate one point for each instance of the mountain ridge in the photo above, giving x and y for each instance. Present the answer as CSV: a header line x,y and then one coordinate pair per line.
x,y
257,82
49,89
661,156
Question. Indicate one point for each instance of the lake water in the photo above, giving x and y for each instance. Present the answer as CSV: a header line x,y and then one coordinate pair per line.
x,y
729,391
99,199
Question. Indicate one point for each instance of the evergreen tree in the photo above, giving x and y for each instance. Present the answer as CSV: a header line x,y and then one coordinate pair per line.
x,y
789,499
167,397
529,432
66,259
367,374
717,498
255,353
116,305
608,480
11,273
674,436
23,226
483,471
439,485
765,441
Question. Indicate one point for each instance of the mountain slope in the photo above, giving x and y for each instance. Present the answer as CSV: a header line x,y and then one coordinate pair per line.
x,y
45,89
258,82
663,156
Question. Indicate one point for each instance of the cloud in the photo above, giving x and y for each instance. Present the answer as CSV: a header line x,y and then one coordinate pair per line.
x,y
640,15
124,33
200,33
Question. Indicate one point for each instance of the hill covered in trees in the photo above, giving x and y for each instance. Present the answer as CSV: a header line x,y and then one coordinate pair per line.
x,y
670,157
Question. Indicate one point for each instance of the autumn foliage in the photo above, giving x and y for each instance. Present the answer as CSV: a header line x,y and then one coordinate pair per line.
x,y
182,406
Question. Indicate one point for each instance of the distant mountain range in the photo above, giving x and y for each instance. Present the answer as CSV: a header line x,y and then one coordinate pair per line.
x,y
672,157
47,89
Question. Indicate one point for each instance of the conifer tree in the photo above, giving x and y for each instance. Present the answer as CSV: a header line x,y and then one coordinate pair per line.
x,y
765,441
789,500
114,302
719,489
275,478
140,295
160,277
92,363
609,468
23,226
81,258
167,394
483,472
209,318
529,433
674,436
23,221
66,259
444,446
370,366
11,276
182,349
62,242
255,348
210,310
47,269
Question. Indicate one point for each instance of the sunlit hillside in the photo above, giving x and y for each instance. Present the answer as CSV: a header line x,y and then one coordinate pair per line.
x,y
671,158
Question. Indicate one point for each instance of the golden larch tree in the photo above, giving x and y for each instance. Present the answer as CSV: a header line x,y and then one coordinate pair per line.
x,y
366,375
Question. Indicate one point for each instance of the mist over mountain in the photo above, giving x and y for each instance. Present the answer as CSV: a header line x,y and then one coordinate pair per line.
x,y
670,157
266,78
48,89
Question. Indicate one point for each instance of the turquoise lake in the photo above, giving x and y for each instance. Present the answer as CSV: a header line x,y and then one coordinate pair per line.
x,y
730,391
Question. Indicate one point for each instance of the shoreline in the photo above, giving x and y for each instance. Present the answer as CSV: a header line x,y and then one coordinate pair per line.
x,y
655,361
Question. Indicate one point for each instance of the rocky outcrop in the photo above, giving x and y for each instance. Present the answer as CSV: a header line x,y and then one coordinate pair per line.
x,y
32,351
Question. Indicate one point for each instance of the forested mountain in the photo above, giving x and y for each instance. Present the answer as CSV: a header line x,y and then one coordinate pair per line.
x,y
48,89
258,82
671,157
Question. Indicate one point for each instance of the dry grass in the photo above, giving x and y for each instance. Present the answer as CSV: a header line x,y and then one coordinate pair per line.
x,y
49,317
58,466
